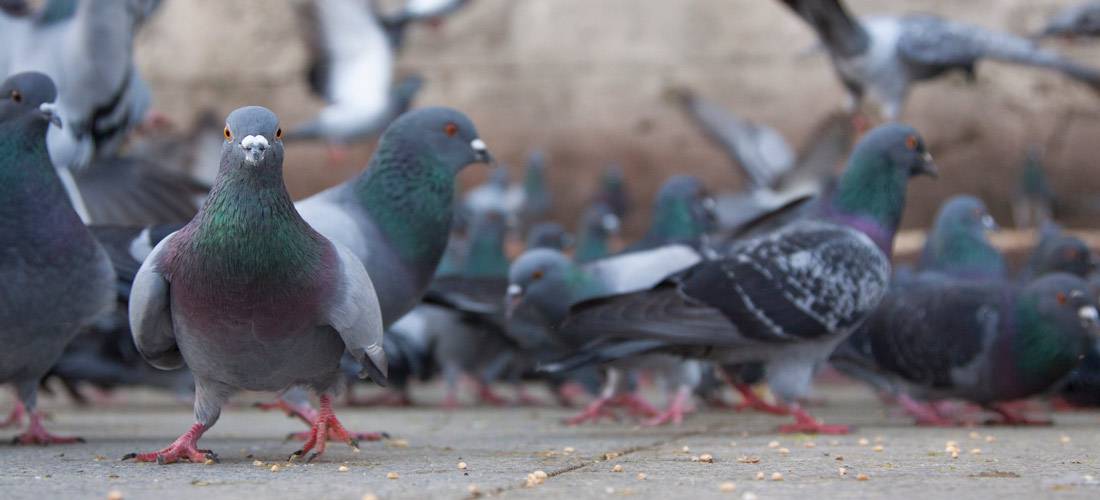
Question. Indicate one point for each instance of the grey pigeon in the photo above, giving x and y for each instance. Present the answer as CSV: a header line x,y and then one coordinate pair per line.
x,y
54,278
431,12
880,57
1058,252
683,212
251,297
958,244
597,226
548,284
983,342
1033,204
1081,20
786,299
351,67
549,235
613,191
396,216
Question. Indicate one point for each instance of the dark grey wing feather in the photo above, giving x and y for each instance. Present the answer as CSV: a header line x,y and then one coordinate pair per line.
x,y
819,158
134,192
931,328
838,29
928,41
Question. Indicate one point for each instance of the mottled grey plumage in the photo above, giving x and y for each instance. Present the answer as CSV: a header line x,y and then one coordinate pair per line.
x,y
250,296
54,277
882,56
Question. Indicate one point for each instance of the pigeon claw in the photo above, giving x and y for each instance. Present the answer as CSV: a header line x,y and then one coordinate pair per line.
x,y
37,434
804,423
183,448
752,401
324,428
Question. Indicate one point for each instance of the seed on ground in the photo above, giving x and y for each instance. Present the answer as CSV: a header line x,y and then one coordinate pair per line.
x,y
617,468
773,444
727,487
392,475
370,496
473,490
759,476
990,439
843,471
685,449
275,468
747,459
541,475
748,496
784,451
342,468
954,454
641,476
862,477
863,442
257,463
1064,439
462,465
975,435
809,444
975,451
777,476
706,458
878,447
114,495
569,449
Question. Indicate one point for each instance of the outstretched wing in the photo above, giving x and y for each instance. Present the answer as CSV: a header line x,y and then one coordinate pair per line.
x,y
151,314
355,314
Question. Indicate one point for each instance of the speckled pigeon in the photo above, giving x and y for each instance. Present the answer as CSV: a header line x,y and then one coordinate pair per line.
x,y
54,277
786,299
881,56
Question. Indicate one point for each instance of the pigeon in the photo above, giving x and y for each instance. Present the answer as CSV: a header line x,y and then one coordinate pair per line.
x,y
54,278
430,11
983,342
1033,204
613,191
351,67
549,235
396,216
597,226
496,194
683,212
1081,389
1081,20
1058,252
882,56
958,244
548,283
251,297
785,299
537,200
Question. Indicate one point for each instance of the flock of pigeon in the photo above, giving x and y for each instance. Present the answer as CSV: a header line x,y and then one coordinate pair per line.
x,y
182,264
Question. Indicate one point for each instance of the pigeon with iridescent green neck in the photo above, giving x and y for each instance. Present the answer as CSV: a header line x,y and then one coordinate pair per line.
x,y
597,226
958,244
54,277
683,213
252,298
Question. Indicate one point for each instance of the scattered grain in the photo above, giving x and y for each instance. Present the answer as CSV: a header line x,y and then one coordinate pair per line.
x,y
641,476
257,463
392,475
773,444
746,459
878,447
275,468
342,468
462,466
862,477
777,476
863,442
617,468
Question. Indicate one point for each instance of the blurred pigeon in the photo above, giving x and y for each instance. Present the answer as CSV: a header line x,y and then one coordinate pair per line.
x,y
785,299
550,284
496,194
683,212
1058,252
1033,204
54,278
218,296
613,191
549,235
597,226
882,56
430,11
958,244
537,200
984,342
1081,389
351,67
1077,20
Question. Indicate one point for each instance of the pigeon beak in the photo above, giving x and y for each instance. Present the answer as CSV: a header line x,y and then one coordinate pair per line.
x,y
254,147
513,299
481,153
927,166
989,223
49,112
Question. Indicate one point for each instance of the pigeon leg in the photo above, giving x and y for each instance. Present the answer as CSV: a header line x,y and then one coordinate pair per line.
x,y
805,423
523,398
595,411
184,447
486,395
15,418
305,413
675,411
325,427
635,405
750,400
924,413
1012,417
310,416
566,393
36,434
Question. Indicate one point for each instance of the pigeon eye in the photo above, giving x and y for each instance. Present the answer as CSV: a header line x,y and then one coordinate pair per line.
x,y
279,133
1061,297
450,129
228,135
537,275
911,142
16,96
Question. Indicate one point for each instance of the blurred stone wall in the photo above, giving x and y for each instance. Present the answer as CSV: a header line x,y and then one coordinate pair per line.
x,y
584,81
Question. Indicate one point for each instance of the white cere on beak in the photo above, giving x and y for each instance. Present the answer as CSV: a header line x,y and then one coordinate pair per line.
x,y
48,107
478,145
610,223
254,147
988,222
515,290
1088,314
710,204
254,140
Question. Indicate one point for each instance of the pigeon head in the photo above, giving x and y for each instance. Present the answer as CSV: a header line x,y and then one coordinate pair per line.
x,y
548,235
958,244
541,277
1065,254
446,134
253,140
598,224
1057,320
27,99
870,194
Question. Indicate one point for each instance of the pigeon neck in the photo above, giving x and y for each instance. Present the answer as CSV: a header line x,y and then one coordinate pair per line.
x,y
1043,348
592,246
408,193
870,197
33,201
675,221
486,257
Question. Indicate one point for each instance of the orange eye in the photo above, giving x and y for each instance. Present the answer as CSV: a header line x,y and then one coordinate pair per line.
x,y
537,275
228,135
911,142
279,133
1061,297
450,129
16,96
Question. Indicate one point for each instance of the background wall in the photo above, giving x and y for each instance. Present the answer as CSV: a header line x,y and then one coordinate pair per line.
x,y
584,80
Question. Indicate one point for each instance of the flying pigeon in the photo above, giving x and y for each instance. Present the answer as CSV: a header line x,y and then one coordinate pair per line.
x,y
428,11
55,278
786,299
984,342
880,57
251,297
